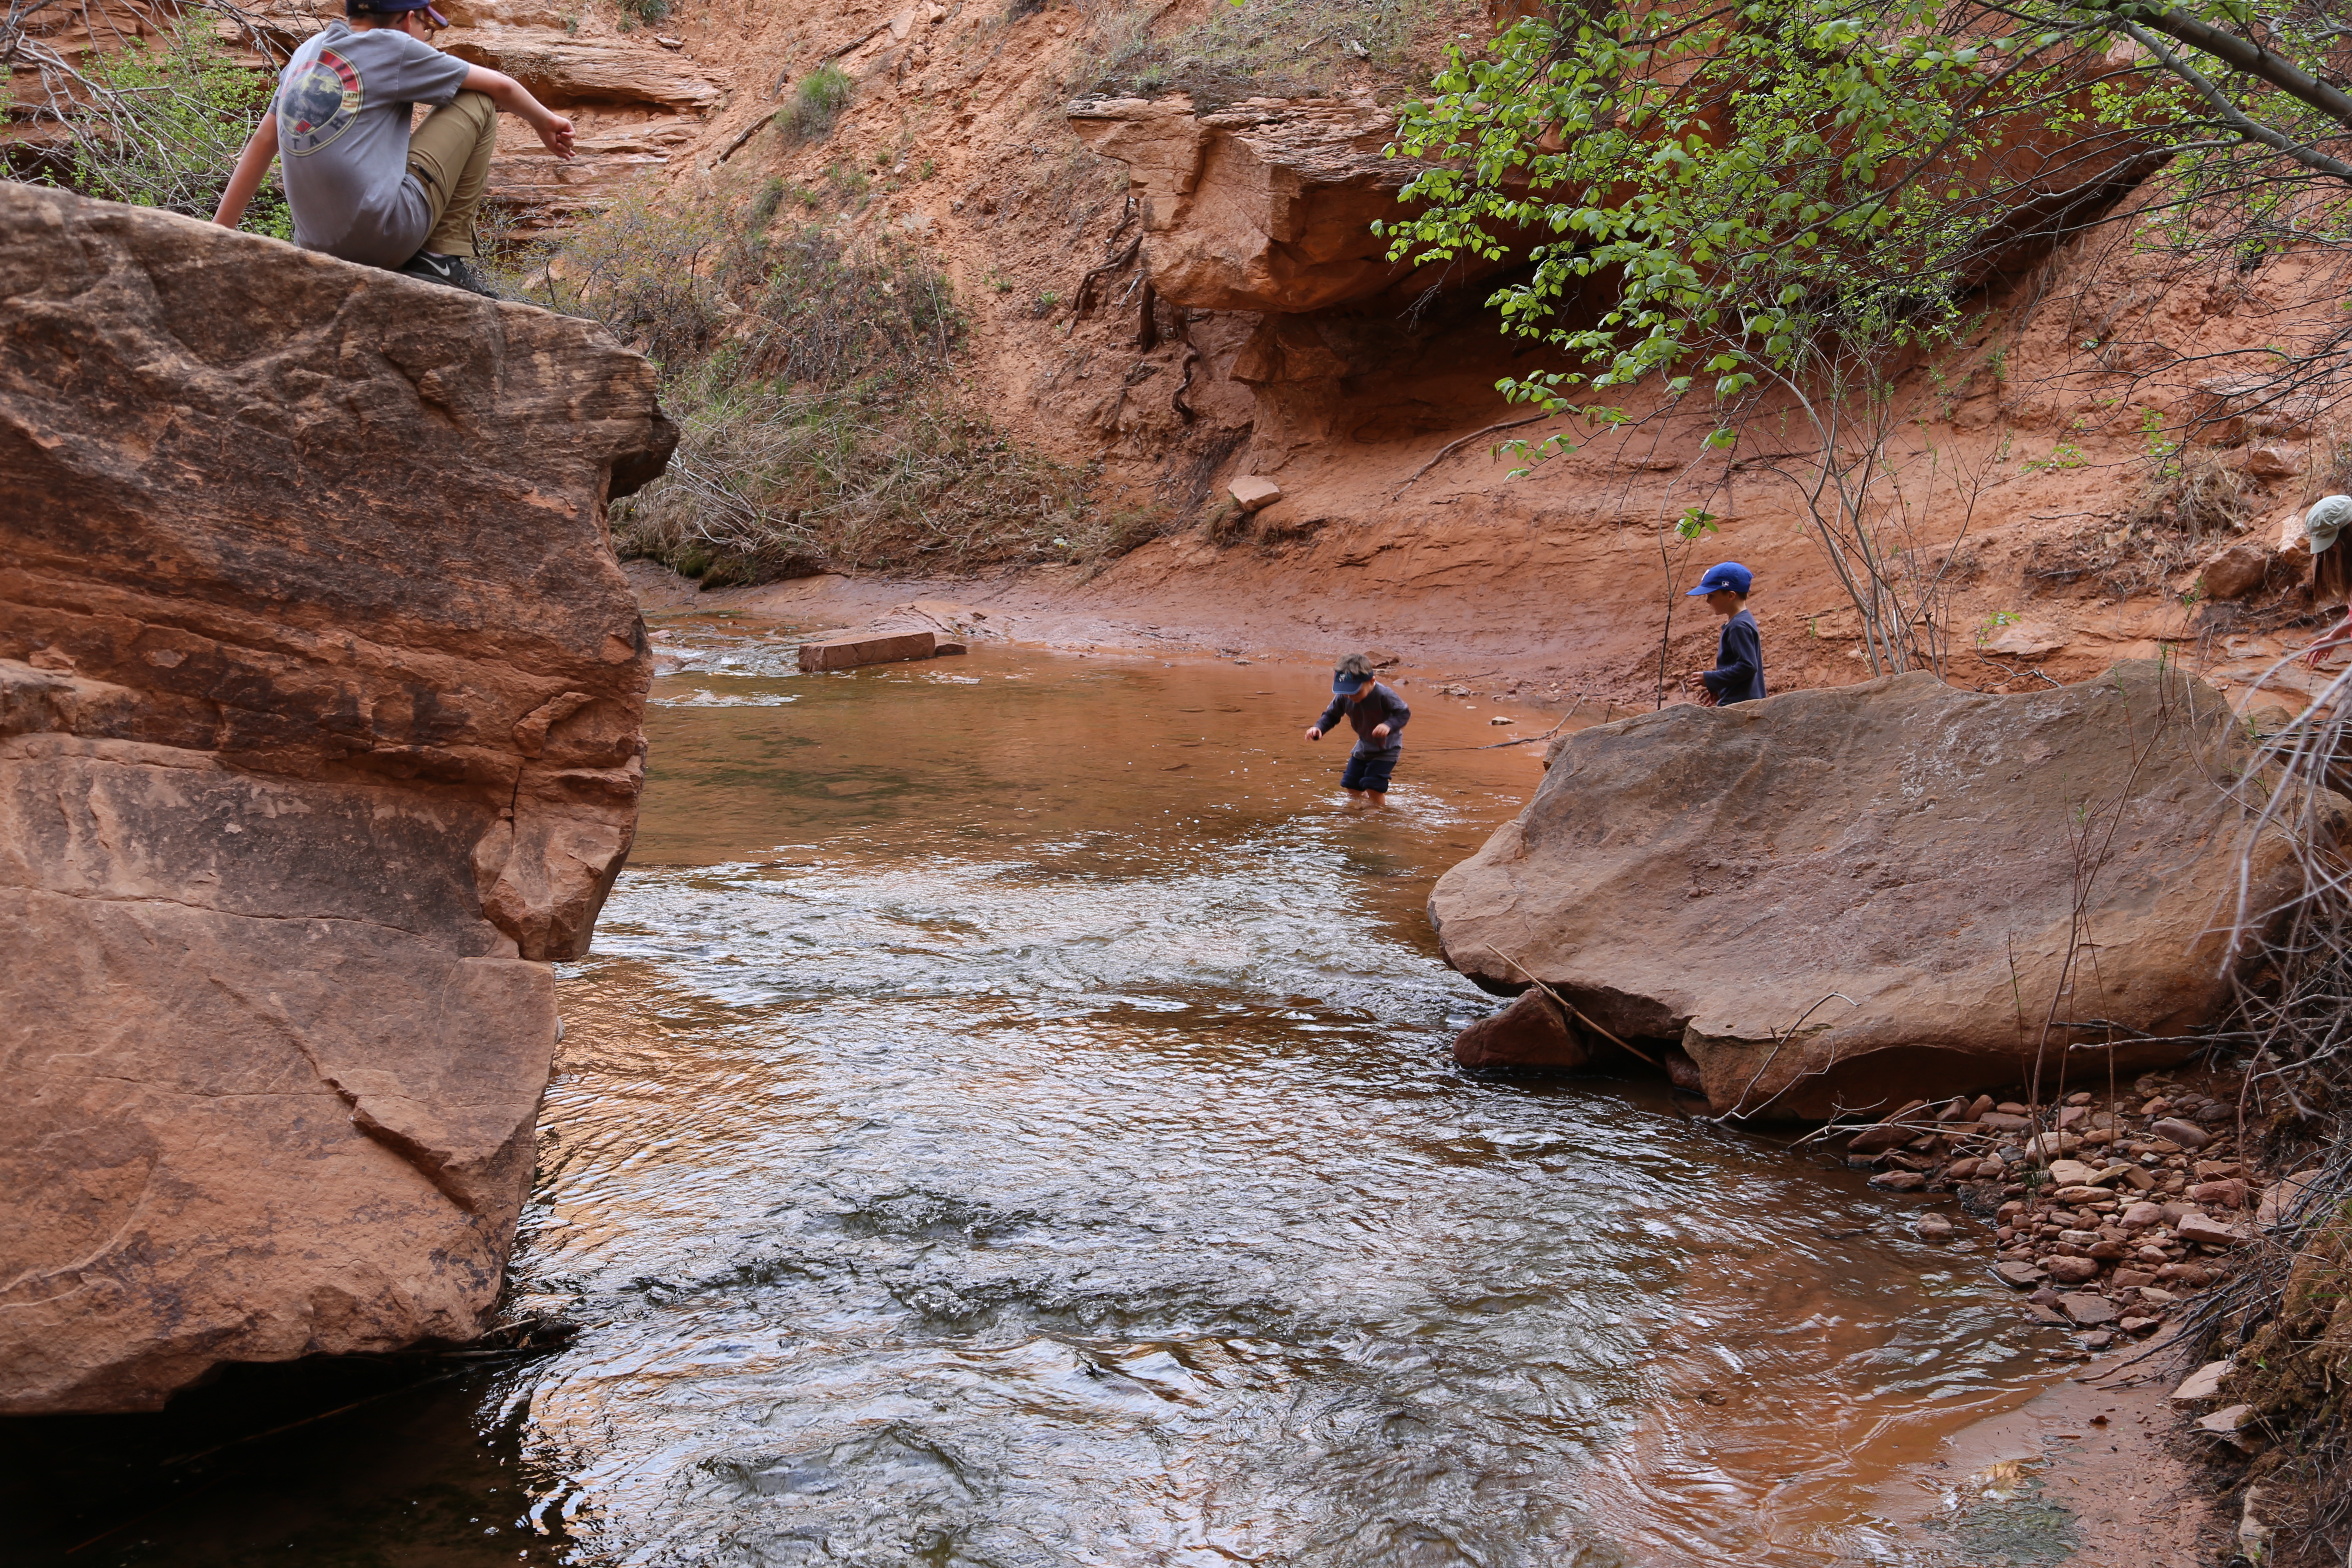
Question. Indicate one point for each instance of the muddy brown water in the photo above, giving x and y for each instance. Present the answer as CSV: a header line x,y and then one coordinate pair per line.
x,y
1008,1120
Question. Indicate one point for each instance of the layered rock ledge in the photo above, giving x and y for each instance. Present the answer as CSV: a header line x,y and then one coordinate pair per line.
x,y
319,703
1834,901
1264,205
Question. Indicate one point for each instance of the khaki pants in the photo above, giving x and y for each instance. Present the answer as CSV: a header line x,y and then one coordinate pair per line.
x,y
450,156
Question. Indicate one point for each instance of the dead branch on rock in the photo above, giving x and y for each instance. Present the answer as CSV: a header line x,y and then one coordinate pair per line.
x,y
1452,446
1084,294
741,136
1738,1106
1573,1010
1184,409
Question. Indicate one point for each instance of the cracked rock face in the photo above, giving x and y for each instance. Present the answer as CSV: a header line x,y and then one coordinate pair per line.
x,y
1841,898
319,702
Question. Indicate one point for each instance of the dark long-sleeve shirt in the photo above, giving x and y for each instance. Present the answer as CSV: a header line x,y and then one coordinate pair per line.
x,y
1379,706
1738,672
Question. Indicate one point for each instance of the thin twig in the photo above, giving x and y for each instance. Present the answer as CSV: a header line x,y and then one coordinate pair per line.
x,y
1451,446
1573,1010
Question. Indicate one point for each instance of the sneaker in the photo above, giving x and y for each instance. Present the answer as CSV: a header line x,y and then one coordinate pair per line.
x,y
449,270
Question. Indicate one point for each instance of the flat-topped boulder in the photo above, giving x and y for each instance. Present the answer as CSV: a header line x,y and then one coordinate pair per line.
x,y
319,703
1838,899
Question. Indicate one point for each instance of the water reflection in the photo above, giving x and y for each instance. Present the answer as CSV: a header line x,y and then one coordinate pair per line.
x,y
1008,1120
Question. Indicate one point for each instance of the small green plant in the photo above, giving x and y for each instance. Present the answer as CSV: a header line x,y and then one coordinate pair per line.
x,y
1695,523
848,180
1991,626
647,11
1045,304
2160,446
999,281
930,167
815,104
2064,454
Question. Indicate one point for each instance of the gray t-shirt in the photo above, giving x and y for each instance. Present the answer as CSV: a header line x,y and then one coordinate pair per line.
x,y
343,105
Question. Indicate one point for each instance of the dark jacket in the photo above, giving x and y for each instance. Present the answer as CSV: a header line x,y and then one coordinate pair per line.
x,y
1382,706
1738,672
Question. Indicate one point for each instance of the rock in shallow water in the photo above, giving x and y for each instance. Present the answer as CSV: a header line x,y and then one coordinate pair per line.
x,y
319,696
1530,1034
1819,896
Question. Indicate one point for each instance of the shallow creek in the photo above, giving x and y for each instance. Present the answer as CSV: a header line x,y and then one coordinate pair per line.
x,y
1008,1120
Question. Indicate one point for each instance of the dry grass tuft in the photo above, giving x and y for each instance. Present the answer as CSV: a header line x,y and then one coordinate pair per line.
x,y
2185,509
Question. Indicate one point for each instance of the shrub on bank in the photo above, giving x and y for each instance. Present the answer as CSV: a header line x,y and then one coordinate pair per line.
x,y
162,126
815,383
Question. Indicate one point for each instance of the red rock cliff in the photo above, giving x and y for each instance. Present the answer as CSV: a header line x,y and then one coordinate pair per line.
x,y
319,702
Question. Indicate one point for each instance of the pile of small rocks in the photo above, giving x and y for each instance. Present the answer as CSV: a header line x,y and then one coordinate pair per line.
x,y
2108,1213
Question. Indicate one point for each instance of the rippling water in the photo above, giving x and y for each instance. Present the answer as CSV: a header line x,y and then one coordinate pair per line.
x,y
1008,1120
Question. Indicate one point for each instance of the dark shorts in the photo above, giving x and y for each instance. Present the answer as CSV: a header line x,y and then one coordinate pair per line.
x,y
1370,770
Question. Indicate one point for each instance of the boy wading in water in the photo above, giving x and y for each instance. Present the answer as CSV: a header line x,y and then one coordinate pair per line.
x,y
360,185
1738,672
1379,715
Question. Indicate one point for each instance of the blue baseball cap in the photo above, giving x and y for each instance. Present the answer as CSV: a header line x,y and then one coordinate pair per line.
x,y
1730,575
1346,685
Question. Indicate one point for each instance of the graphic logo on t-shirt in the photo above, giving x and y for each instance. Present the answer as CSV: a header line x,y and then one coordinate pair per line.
x,y
318,105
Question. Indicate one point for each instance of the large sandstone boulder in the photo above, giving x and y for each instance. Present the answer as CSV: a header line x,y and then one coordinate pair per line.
x,y
320,700
1842,899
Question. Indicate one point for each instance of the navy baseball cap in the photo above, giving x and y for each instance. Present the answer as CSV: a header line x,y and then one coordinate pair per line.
x,y
1730,575
1346,685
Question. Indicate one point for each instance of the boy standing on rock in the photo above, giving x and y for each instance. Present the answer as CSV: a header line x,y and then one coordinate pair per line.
x,y
1738,672
361,186
1379,715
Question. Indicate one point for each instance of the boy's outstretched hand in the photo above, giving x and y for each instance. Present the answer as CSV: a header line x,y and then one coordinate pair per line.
x,y
1696,682
555,134
1313,733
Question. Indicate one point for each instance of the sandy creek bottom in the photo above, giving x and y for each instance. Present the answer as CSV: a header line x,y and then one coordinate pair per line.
x,y
1008,1120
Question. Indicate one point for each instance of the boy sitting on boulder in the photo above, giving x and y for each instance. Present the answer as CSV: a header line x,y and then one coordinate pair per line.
x,y
361,186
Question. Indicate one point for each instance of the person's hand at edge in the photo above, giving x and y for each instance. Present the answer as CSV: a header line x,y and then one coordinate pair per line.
x,y
1313,733
555,134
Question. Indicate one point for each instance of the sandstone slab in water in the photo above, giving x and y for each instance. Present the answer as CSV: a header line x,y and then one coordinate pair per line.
x,y
893,645
1839,898
319,703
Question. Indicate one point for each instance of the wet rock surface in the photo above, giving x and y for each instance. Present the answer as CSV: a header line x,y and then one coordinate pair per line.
x,y
1834,897
319,704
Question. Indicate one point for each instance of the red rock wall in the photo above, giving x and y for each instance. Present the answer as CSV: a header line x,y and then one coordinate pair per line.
x,y
319,702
